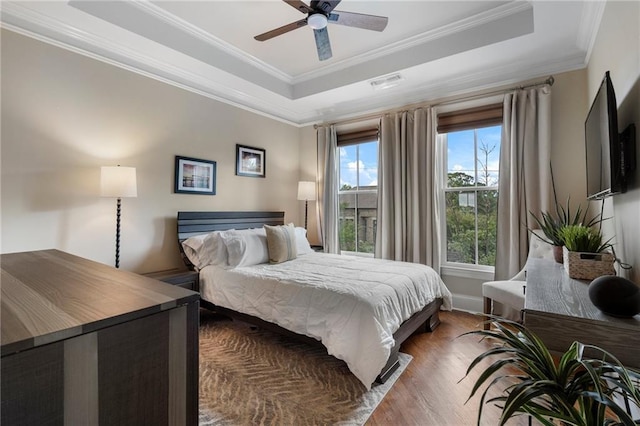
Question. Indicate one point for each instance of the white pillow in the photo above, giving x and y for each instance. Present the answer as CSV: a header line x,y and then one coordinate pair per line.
x,y
191,246
214,251
302,244
206,249
246,247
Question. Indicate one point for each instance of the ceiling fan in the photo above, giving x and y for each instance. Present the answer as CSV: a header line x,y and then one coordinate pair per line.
x,y
319,14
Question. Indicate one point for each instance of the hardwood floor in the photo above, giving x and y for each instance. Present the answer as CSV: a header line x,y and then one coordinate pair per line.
x,y
428,392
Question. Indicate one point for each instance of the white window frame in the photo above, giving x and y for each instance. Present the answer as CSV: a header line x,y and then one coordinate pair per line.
x,y
356,192
457,269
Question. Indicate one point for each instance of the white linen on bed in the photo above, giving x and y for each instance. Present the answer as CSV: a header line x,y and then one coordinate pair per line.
x,y
352,304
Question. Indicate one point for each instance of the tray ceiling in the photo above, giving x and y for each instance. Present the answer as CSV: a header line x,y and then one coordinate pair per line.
x,y
438,48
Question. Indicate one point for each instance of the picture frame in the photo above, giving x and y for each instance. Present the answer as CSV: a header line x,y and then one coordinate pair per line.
x,y
195,176
250,161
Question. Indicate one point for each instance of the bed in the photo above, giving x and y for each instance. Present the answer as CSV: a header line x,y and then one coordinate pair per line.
x,y
361,309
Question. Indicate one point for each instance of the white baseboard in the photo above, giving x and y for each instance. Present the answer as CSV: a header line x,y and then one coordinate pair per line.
x,y
472,304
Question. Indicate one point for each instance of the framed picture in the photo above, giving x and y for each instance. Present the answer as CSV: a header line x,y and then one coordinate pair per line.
x,y
250,161
194,176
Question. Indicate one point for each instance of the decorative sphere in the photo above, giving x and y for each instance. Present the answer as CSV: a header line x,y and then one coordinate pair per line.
x,y
615,296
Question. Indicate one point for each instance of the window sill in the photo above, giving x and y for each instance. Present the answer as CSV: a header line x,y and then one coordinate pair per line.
x,y
485,273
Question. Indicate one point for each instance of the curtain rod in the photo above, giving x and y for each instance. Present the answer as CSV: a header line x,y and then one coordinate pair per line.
x,y
550,80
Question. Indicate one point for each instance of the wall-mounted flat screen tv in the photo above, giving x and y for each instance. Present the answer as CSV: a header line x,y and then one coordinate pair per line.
x,y
604,170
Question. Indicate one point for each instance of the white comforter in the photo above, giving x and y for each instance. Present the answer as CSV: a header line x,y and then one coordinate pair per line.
x,y
353,305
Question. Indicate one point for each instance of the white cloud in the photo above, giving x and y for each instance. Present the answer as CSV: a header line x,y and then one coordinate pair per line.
x,y
354,165
349,174
362,169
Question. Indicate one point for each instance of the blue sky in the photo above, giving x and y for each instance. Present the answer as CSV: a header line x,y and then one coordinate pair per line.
x,y
362,164
460,157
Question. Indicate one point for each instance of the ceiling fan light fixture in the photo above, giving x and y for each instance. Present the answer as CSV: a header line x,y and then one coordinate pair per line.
x,y
317,21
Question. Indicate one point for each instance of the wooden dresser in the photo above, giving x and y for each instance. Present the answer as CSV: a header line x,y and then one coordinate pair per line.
x,y
86,344
558,309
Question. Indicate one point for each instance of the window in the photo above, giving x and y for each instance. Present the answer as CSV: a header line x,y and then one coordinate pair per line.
x,y
358,193
471,188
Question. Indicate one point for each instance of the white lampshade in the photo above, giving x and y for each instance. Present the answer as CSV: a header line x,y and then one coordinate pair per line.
x,y
306,190
118,182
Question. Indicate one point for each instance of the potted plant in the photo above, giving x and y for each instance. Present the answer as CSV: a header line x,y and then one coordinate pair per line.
x,y
551,225
574,390
585,255
583,238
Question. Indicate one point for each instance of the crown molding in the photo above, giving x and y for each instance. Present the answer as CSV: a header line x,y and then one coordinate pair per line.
x,y
465,39
18,17
592,13
215,42
483,18
459,86
477,20
22,20
128,16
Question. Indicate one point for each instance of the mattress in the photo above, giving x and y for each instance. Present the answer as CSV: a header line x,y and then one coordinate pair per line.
x,y
353,305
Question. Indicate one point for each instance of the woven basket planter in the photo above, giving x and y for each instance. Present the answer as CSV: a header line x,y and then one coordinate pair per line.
x,y
587,266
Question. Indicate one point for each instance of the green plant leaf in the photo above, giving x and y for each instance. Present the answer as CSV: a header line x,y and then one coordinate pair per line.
x,y
528,391
551,225
573,390
581,238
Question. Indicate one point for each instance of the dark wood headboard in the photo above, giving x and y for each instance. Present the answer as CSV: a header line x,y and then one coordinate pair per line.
x,y
196,223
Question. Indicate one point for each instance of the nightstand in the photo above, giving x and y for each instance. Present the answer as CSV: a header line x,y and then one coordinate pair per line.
x,y
180,277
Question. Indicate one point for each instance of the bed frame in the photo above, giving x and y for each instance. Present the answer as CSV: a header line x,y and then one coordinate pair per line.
x,y
195,223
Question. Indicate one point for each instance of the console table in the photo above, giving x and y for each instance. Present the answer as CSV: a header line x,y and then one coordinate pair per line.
x,y
558,309
85,344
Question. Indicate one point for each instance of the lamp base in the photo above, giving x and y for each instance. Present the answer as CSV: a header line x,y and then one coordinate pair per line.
x,y
306,209
118,209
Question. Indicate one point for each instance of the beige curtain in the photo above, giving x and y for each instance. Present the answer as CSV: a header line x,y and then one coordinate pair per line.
x,y
525,179
408,215
327,182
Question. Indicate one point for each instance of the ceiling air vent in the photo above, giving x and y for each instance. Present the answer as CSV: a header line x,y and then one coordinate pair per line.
x,y
386,82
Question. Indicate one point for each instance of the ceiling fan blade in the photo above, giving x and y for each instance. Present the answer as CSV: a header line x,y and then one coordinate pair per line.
x,y
279,31
358,20
297,4
322,43
324,6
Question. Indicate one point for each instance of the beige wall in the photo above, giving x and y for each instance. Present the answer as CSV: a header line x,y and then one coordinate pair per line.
x,y
308,160
65,115
568,109
617,49
568,112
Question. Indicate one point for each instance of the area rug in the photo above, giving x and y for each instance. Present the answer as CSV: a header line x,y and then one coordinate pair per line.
x,y
251,376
